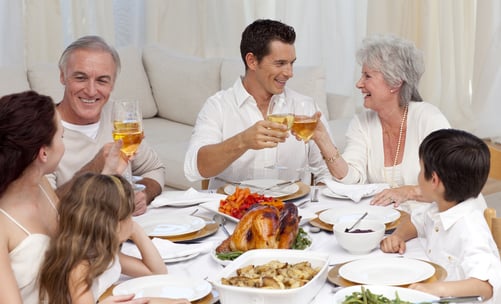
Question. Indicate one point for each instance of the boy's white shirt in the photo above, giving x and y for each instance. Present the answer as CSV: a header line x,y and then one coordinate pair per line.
x,y
459,240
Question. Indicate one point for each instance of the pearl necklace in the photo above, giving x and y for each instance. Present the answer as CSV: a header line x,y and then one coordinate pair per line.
x,y
397,152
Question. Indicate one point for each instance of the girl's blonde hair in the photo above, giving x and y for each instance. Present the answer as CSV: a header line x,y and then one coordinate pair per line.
x,y
88,232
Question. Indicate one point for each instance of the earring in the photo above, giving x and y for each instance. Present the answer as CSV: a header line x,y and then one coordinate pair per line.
x,y
392,91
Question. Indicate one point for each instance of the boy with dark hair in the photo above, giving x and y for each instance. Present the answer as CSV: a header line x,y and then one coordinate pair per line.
x,y
452,229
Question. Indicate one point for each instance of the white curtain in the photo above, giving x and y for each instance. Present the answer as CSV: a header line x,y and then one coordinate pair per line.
x,y
460,39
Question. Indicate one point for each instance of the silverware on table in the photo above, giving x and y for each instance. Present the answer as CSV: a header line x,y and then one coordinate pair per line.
x,y
356,223
220,220
282,184
234,183
465,299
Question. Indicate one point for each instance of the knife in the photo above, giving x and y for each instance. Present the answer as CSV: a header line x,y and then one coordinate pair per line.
x,y
466,299
281,184
239,183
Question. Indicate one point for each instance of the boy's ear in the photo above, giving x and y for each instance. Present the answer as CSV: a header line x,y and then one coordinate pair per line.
x,y
435,179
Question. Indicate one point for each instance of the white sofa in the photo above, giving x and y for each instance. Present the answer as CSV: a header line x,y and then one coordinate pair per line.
x,y
172,88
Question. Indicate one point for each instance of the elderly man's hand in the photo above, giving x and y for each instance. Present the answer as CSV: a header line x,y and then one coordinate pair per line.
x,y
115,161
141,203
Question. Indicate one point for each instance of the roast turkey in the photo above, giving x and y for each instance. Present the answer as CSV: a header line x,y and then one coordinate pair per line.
x,y
264,227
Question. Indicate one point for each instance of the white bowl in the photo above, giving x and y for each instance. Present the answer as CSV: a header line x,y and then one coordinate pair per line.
x,y
304,294
362,242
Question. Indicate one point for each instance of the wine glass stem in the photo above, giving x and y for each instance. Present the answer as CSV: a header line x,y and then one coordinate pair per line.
x,y
128,173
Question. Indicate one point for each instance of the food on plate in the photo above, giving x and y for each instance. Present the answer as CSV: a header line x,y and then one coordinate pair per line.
x,y
366,296
242,199
265,227
273,275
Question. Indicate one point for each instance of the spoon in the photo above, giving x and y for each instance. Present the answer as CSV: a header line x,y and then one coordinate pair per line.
x,y
221,221
356,223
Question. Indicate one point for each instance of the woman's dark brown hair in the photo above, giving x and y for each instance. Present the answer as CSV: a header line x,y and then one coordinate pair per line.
x,y
26,124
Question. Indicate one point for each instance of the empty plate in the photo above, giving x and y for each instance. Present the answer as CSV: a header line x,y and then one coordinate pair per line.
x,y
165,286
162,225
386,271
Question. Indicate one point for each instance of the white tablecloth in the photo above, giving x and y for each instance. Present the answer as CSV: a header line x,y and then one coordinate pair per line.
x,y
203,265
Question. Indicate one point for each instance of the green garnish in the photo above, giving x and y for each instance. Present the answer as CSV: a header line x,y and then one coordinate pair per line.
x,y
230,256
366,296
302,240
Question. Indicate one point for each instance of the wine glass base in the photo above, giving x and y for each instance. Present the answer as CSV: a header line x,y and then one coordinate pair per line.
x,y
138,187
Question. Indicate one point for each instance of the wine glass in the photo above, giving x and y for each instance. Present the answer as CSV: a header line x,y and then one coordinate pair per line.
x,y
304,125
280,111
127,126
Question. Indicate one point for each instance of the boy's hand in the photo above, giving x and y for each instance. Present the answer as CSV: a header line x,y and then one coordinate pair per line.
x,y
393,244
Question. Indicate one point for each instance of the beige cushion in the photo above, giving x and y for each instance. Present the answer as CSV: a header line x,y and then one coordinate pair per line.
x,y
44,78
13,80
132,82
180,84
307,80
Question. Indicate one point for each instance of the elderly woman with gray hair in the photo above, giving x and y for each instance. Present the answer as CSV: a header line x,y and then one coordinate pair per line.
x,y
383,141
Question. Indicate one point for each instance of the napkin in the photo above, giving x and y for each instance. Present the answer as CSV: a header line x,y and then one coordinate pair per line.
x,y
168,249
183,198
354,192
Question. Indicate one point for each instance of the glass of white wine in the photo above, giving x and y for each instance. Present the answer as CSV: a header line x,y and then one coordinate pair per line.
x,y
280,111
304,125
127,126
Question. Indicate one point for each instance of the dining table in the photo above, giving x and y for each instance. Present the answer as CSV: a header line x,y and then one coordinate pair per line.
x,y
204,265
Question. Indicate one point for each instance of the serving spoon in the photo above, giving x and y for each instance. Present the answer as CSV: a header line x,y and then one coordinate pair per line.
x,y
356,223
220,220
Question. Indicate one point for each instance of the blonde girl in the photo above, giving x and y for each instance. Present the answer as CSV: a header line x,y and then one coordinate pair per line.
x,y
84,258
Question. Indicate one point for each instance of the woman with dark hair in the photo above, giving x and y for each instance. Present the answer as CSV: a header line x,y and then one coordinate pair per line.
x,y
383,141
30,147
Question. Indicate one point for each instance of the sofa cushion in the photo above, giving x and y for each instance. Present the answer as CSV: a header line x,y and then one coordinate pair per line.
x,y
13,80
307,80
180,83
132,82
170,140
44,78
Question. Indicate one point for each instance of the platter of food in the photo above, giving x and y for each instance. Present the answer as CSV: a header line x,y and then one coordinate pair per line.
x,y
237,204
303,242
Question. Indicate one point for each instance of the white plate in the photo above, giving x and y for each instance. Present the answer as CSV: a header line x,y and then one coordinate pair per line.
x,y
352,213
276,192
213,206
165,286
386,271
186,198
182,258
328,192
164,225
405,294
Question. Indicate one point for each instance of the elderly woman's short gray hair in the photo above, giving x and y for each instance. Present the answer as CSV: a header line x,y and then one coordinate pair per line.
x,y
400,62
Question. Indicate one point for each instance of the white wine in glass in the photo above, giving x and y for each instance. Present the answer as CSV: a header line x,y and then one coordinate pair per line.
x,y
280,111
304,125
127,126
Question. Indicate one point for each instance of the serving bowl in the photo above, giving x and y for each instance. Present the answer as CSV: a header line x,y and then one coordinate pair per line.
x,y
300,295
359,242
